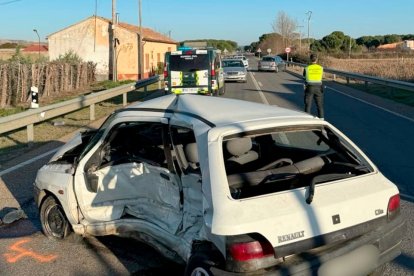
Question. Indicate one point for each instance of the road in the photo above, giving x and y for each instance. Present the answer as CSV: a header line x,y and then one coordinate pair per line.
x,y
382,129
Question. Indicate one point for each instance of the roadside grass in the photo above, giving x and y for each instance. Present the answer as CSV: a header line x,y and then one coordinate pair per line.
x,y
15,142
394,94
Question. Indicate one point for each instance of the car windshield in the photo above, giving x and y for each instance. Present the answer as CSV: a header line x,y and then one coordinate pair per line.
x,y
268,59
232,63
281,159
189,63
97,135
278,59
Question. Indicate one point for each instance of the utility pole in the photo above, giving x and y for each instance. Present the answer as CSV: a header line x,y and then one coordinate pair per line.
x,y
349,52
38,46
309,13
140,36
113,42
300,36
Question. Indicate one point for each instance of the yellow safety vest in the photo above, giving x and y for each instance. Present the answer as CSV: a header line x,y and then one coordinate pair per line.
x,y
314,73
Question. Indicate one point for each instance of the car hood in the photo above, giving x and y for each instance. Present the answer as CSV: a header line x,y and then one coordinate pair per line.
x,y
71,144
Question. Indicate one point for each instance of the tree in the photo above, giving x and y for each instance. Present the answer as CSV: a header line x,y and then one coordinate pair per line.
x,y
393,38
285,26
334,41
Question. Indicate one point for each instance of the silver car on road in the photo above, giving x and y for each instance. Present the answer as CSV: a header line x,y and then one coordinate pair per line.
x,y
234,70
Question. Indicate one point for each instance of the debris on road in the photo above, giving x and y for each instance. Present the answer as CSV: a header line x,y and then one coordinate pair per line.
x,y
13,216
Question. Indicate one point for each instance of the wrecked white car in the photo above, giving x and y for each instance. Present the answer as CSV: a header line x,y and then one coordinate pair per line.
x,y
226,187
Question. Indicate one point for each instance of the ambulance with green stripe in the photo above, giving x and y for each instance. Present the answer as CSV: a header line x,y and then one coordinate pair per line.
x,y
194,71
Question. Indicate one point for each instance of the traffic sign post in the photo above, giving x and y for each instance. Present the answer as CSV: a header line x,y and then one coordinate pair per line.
x,y
287,51
259,51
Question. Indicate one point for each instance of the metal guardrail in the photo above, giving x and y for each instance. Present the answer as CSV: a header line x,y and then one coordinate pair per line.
x,y
33,116
367,79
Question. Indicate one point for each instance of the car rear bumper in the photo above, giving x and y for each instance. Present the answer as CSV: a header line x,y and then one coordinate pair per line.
x,y
235,78
267,68
359,256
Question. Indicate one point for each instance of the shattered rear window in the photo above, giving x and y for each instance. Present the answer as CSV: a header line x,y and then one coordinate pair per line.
x,y
275,160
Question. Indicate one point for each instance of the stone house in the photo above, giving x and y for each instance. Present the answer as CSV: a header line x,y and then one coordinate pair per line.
x,y
91,40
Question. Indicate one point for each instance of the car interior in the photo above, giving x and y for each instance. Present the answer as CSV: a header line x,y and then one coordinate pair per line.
x,y
276,161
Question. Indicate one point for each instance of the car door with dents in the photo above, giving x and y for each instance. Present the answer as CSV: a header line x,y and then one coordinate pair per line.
x,y
127,175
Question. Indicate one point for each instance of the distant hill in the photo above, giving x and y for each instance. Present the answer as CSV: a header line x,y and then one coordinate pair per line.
x,y
20,42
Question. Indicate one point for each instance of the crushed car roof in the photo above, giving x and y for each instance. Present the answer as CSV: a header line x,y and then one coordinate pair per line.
x,y
219,111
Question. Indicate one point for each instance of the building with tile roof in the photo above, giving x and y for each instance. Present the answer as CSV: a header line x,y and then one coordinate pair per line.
x,y
35,48
91,40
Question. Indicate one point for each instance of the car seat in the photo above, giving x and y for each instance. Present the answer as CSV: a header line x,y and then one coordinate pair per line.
x,y
191,153
242,154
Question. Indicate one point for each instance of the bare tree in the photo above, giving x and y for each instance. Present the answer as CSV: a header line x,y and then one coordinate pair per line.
x,y
285,26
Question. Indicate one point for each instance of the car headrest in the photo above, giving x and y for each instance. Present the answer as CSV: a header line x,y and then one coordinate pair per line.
x,y
191,153
239,146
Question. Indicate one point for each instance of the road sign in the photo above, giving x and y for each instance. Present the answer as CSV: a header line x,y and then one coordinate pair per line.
x,y
259,50
269,51
287,50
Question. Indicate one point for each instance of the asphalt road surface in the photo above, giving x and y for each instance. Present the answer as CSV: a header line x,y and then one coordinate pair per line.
x,y
383,130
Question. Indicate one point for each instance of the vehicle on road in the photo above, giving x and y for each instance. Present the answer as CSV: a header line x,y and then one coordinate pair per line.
x,y
244,59
194,71
234,70
238,187
271,63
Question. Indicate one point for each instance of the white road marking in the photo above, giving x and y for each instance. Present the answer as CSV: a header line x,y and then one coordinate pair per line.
x,y
262,96
374,105
27,162
260,84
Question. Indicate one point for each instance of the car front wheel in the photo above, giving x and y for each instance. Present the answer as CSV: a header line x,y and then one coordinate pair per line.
x,y
53,219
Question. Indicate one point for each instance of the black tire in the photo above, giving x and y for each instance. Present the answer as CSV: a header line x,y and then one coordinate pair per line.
x,y
200,263
55,225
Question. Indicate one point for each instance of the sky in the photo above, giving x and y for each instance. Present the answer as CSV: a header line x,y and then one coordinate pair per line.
x,y
243,21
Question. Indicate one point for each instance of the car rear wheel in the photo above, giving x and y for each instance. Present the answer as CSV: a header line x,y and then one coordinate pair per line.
x,y
202,260
199,265
53,219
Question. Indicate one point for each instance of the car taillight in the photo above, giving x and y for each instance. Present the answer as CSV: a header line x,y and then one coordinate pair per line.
x,y
393,207
213,71
273,64
250,250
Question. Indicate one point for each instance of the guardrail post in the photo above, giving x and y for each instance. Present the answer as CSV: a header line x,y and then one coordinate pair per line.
x,y
347,80
366,85
124,99
334,77
159,84
145,88
92,112
30,134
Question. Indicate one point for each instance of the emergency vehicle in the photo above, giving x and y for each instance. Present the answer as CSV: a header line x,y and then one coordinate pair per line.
x,y
194,71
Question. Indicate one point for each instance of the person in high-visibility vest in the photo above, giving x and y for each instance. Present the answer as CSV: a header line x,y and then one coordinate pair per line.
x,y
313,74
